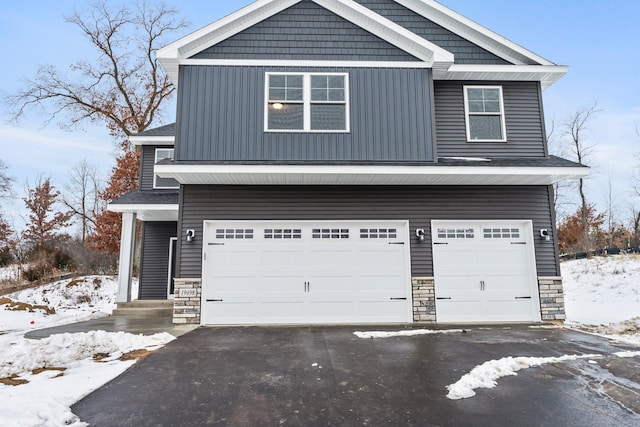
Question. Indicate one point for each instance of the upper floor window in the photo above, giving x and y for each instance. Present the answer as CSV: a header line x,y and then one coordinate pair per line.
x,y
307,102
484,109
163,183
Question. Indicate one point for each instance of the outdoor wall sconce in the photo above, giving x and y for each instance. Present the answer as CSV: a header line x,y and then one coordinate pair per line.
x,y
544,233
420,235
190,235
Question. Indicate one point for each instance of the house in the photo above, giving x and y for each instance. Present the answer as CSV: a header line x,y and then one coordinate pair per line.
x,y
349,161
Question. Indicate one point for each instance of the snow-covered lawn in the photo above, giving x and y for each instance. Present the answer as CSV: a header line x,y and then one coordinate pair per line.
x,y
41,379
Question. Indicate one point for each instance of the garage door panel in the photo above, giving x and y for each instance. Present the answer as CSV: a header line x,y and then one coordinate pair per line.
x,y
485,270
327,274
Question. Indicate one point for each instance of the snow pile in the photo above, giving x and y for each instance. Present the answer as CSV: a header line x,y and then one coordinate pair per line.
x,y
72,301
600,290
627,331
27,355
52,374
405,333
9,273
485,375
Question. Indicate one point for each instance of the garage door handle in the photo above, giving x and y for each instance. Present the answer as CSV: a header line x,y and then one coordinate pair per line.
x,y
482,285
396,243
216,244
395,299
523,297
215,300
518,243
440,243
444,298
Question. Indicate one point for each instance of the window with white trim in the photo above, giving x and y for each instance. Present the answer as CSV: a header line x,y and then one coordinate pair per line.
x,y
307,102
163,183
484,111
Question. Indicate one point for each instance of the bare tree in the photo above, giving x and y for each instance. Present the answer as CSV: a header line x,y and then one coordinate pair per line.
x,y
44,221
125,88
6,182
556,148
81,196
575,128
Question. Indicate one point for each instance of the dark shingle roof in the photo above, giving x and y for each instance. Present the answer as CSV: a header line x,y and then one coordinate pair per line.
x,y
166,130
156,197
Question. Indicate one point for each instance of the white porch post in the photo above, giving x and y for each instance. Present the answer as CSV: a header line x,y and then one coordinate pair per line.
x,y
125,266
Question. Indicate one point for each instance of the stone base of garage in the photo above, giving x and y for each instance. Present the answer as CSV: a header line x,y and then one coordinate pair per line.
x,y
551,299
424,299
187,301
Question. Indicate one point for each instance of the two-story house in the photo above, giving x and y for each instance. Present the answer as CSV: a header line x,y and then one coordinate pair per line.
x,y
349,161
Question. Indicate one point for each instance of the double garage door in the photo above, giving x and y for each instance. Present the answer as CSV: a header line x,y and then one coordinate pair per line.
x,y
306,272
485,271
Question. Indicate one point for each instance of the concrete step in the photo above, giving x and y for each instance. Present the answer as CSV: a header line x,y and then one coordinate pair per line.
x,y
145,308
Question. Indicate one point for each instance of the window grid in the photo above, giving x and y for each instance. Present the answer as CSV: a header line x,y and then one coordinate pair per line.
x,y
501,233
234,233
484,111
456,233
378,233
330,233
323,107
282,233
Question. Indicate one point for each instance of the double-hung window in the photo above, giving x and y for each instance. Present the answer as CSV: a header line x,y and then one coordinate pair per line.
x,y
163,183
484,109
307,102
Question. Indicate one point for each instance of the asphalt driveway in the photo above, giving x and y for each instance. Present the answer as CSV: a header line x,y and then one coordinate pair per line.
x,y
326,376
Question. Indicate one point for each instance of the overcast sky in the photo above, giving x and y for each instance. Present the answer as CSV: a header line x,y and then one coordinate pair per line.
x,y
598,39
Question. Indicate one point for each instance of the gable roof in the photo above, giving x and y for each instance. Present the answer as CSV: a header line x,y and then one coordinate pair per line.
x,y
429,54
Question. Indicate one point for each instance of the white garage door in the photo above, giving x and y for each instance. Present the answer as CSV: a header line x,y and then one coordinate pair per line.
x,y
305,272
485,271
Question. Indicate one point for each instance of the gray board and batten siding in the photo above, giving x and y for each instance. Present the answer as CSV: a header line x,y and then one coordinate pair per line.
x,y
418,204
154,262
523,113
306,31
221,117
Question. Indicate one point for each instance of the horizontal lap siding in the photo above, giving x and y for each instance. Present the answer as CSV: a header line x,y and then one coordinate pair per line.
x,y
523,114
306,31
221,117
147,162
154,265
419,205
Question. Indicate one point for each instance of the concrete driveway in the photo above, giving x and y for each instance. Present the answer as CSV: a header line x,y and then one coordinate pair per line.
x,y
326,376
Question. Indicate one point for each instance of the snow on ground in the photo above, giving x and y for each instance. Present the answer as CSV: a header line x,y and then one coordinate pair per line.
x,y
53,373
601,290
485,375
9,273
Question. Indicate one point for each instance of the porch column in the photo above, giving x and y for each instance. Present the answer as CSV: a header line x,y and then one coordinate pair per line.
x,y
125,266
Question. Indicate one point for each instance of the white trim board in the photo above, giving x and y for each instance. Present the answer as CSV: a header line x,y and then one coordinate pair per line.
x,y
367,175
152,140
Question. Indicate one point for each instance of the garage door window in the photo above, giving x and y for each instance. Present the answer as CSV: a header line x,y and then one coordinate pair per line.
x,y
282,233
378,233
456,233
234,233
501,233
330,233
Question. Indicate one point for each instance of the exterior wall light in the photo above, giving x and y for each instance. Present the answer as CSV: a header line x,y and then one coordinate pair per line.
x,y
544,234
420,235
190,235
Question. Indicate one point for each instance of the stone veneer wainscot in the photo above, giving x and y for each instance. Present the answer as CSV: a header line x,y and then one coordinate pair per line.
x,y
186,306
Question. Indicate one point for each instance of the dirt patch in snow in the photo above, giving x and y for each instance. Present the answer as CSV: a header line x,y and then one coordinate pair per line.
x,y
41,370
626,327
13,380
21,306
135,355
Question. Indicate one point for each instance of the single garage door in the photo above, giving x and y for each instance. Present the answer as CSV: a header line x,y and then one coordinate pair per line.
x,y
485,271
306,272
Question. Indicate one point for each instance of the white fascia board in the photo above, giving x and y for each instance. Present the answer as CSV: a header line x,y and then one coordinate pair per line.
x,y
367,175
546,74
147,212
472,31
152,140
